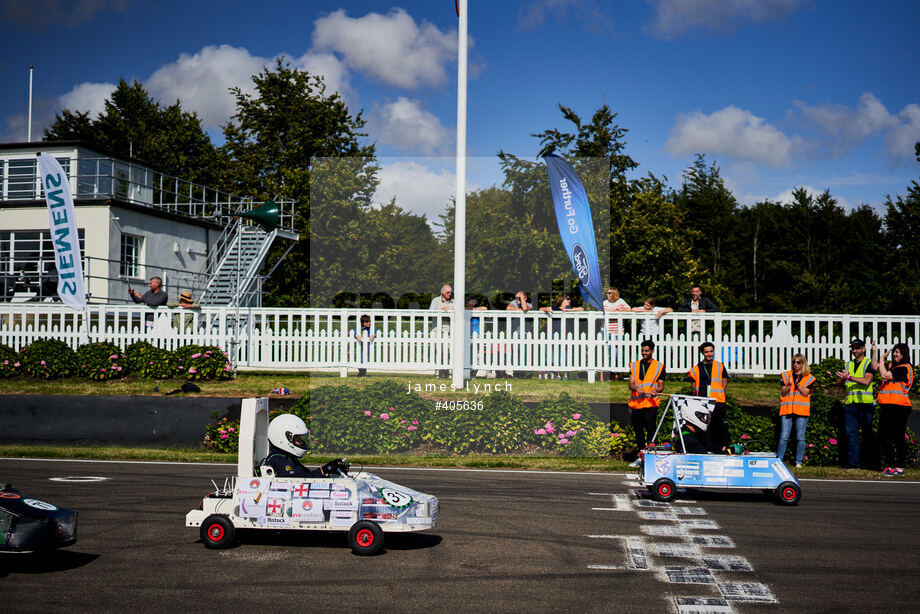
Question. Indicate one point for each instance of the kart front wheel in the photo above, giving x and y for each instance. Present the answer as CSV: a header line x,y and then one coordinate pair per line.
x,y
663,490
217,531
365,538
788,493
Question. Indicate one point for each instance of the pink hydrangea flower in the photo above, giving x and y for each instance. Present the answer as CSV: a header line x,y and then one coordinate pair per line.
x,y
832,441
745,437
539,431
43,362
811,445
231,429
196,355
576,416
569,433
113,356
412,428
549,427
367,412
415,422
384,416
193,370
826,448
402,421
224,436
563,441
390,408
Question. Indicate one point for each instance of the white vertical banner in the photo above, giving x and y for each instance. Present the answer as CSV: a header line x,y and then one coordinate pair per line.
x,y
63,224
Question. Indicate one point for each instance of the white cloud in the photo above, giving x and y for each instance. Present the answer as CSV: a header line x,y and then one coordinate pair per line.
x,y
87,97
845,128
392,47
334,73
405,125
593,18
676,17
201,81
418,188
730,131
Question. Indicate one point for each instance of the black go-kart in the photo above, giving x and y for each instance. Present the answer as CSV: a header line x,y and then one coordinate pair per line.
x,y
30,525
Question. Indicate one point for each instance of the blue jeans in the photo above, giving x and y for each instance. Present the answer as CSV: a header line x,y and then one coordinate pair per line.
x,y
857,417
785,424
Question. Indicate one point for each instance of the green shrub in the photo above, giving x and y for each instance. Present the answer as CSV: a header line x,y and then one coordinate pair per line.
x,y
379,419
502,426
202,363
223,436
9,362
48,359
146,360
824,381
101,361
568,426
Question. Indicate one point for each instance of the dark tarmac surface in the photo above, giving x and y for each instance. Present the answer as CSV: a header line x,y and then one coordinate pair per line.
x,y
506,542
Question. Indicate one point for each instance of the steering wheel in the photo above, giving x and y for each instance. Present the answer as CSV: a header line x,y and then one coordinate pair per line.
x,y
338,466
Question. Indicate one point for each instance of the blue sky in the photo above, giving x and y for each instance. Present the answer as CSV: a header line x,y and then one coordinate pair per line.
x,y
779,93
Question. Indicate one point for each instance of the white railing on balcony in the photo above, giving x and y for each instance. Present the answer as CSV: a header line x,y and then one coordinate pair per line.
x,y
420,340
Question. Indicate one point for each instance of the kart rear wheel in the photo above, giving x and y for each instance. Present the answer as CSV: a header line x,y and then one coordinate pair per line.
x,y
365,538
217,532
788,493
663,490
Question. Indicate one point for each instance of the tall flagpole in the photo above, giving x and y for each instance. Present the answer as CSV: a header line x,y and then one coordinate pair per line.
x,y
458,330
29,129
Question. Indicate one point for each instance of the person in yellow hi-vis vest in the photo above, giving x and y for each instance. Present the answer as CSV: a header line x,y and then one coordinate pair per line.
x,y
859,405
708,378
795,406
646,381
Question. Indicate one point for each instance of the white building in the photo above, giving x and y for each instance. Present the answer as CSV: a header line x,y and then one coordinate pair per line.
x,y
134,223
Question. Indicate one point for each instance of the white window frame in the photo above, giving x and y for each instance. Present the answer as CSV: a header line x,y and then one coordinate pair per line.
x,y
139,260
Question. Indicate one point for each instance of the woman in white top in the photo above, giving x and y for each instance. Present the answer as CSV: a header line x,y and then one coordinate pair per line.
x,y
613,302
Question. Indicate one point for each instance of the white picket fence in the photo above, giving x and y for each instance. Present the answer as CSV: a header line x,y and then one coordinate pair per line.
x,y
420,340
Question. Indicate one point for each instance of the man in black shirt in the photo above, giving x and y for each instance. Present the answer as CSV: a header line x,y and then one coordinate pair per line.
x,y
154,297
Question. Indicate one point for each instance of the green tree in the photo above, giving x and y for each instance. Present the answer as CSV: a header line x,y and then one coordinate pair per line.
x,y
902,227
132,124
709,208
288,125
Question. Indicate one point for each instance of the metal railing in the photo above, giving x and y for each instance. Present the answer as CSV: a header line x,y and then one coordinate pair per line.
x,y
110,178
420,340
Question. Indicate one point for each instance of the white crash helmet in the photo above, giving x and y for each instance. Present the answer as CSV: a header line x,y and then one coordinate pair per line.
x,y
289,433
696,413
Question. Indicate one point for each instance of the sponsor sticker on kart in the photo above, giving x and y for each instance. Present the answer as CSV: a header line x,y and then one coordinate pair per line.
x,y
342,519
39,505
713,468
274,507
687,470
759,463
332,504
663,466
275,521
340,494
307,510
762,474
301,490
321,485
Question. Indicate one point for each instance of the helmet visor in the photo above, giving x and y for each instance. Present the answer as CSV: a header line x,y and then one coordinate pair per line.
x,y
298,441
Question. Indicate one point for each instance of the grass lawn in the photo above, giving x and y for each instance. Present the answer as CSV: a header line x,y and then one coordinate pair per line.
x,y
749,391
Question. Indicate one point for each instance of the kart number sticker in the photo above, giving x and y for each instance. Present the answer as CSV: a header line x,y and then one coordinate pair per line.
x,y
39,505
395,498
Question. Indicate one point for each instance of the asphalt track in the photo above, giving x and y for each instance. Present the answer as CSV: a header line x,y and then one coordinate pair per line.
x,y
506,542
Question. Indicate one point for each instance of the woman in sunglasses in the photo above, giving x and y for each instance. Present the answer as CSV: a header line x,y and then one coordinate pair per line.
x,y
795,406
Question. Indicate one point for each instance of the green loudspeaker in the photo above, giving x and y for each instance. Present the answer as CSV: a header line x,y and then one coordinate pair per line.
x,y
266,215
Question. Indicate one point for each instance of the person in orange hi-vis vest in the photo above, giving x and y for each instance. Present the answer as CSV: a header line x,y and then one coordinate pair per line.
x,y
795,406
708,379
894,405
646,381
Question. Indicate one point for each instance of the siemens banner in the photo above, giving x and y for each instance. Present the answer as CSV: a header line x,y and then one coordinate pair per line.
x,y
573,214
64,238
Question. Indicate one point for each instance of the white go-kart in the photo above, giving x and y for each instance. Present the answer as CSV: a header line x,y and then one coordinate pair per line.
x,y
361,504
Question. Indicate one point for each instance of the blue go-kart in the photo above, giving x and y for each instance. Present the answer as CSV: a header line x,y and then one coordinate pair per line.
x,y
664,470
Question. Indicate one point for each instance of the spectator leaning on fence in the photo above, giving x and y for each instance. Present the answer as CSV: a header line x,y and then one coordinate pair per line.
x,y
184,320
859,406
154,297
708,379
613,302
650,325
894,405
795,406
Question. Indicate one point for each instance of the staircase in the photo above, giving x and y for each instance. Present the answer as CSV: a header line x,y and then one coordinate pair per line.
x,y
239,254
